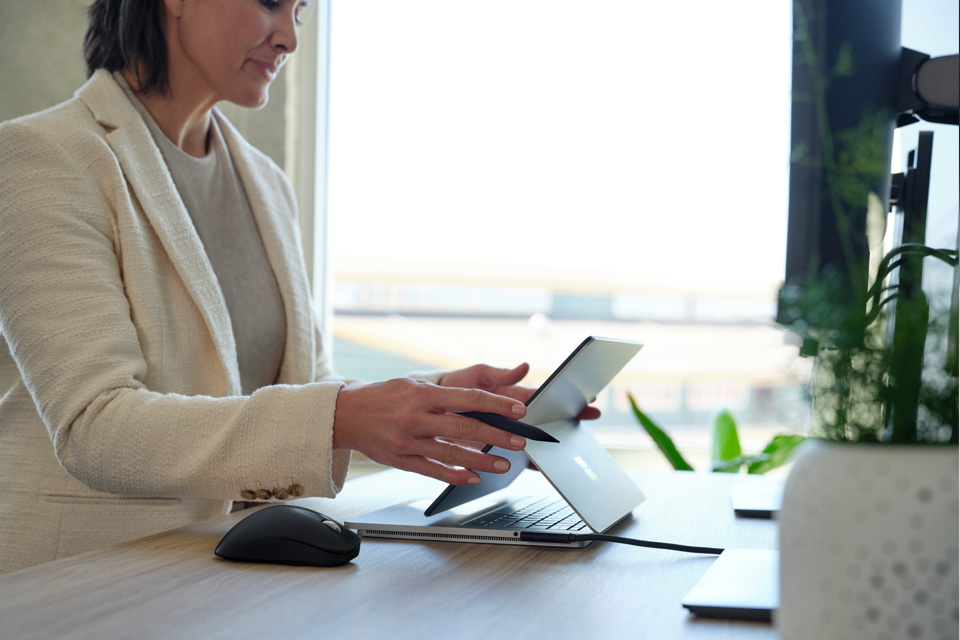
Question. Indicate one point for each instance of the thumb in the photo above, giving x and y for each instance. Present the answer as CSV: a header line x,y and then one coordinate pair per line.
x,y
508,377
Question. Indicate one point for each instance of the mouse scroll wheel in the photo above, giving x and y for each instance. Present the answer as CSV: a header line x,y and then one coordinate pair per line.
x,y
333,525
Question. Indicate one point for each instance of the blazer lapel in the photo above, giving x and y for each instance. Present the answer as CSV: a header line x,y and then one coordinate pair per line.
x,y
274,209
146,171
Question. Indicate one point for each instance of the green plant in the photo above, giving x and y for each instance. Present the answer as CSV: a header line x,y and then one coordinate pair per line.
x,y
726,454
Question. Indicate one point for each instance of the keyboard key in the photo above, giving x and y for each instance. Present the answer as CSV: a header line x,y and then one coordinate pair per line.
x,y
539,515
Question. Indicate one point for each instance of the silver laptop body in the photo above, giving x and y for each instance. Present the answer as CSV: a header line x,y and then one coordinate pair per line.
x,y
592,487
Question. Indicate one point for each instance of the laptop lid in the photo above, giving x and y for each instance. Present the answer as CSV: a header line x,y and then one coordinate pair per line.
x,y
578,467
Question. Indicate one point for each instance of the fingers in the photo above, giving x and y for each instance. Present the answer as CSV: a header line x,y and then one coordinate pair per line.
x,y
511,376
407,424
457,464
483,376
431,469
453,399
446,462
453,455
589,413
460,428
505,382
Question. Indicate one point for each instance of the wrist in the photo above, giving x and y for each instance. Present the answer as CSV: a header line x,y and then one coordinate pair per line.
x,y
340,418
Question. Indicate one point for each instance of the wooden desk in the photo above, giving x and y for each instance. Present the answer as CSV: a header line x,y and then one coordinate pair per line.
x,y
172,586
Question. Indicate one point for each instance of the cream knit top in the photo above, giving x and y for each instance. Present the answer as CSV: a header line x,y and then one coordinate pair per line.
x,y
216,201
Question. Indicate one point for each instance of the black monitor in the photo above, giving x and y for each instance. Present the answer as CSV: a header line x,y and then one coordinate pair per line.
x,y
853,84
846,60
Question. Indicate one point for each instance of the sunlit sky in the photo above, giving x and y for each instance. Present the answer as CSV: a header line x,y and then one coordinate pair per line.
x,y
639,138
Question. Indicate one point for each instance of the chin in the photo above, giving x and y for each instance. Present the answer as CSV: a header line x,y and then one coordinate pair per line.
x,y
261,103
253,100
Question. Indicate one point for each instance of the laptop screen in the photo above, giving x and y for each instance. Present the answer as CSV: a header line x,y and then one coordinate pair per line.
x,y
581,470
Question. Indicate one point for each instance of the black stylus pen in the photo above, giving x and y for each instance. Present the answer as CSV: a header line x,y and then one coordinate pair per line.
x,y
512,426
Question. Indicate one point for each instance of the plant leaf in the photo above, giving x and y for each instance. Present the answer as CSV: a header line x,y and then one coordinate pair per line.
x,y
844,65
732,465
662,440
776,454
726,444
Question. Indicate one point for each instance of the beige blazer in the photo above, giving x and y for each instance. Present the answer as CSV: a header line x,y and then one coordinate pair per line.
x,y
120,406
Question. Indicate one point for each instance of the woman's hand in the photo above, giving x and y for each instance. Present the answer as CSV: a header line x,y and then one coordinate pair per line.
x,y
499,381
407,423
502,382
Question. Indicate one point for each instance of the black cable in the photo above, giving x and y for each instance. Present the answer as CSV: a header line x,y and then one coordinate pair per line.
x,y
534,536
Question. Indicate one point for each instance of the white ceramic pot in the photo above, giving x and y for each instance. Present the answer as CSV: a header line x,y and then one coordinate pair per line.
x,y
869,543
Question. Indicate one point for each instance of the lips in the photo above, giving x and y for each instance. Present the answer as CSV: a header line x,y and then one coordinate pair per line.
x,y
268,69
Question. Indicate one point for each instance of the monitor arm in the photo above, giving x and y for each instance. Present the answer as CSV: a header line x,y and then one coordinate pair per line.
x,y
928,88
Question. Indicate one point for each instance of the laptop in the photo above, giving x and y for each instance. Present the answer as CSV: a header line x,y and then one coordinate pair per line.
x,y
593,493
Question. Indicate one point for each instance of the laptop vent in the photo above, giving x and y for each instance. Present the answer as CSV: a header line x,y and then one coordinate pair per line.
x,y
416,534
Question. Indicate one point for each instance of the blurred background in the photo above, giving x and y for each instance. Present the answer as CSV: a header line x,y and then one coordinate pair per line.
x,y
493,182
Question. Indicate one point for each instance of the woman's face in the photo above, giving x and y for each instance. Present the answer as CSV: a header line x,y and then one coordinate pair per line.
x,y
232,48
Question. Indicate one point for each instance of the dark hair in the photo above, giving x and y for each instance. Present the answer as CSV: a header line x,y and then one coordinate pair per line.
x,y
127,34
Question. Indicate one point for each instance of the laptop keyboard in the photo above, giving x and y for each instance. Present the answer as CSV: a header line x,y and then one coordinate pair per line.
x,y
539,515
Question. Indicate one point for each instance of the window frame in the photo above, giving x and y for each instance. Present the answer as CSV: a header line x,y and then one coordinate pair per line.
x,y
306,150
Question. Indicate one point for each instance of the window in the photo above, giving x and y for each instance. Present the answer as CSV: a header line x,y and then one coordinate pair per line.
x,y
506,178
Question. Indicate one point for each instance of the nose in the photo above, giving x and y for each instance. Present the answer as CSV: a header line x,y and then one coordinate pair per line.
x,y
284,38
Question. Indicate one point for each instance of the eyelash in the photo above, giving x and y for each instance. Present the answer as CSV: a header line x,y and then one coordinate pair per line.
x,y
273,5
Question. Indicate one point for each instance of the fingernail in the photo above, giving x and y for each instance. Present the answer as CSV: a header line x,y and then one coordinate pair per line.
x,y
501,465
518,442
519,410
473,480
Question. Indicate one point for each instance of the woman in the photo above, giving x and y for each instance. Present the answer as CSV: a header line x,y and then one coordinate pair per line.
x,y
156,311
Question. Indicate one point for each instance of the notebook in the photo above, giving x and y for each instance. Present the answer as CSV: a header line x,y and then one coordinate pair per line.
x,y
761,501
741,584
592,492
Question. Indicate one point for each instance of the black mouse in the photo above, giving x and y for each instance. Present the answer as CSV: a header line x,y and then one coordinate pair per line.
x,y
288,534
